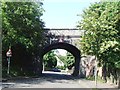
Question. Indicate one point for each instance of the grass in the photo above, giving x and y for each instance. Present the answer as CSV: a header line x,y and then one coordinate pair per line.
x,y
15,72
98,79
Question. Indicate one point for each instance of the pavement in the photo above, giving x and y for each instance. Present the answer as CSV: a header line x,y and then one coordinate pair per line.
x,y
54,80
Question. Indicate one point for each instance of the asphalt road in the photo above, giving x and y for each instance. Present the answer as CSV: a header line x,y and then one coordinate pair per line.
x,y
53,80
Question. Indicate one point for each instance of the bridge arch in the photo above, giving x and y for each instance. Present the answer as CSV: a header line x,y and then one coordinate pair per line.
x,y
70,48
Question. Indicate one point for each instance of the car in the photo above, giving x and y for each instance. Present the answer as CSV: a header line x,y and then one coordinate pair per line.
x,y
56,70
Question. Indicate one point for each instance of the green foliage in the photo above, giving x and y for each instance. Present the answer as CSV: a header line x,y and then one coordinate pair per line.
x,y
61,67
62,58
16,71
101,22
70,60
22,29
93,79
21,23
50,60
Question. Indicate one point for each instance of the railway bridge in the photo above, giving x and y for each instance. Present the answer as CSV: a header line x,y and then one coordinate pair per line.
x,y
67,39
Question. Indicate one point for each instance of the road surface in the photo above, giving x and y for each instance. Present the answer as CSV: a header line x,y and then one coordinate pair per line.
x,y
53,80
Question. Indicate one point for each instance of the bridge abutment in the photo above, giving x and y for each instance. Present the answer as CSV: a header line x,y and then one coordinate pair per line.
x,y
77,66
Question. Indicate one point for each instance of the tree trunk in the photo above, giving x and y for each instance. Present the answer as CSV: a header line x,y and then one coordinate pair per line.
x,y
104,73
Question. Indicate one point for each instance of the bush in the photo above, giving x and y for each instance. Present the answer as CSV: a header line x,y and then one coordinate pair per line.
x,y
61,67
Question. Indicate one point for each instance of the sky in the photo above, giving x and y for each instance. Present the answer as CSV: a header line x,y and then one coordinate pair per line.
x,y
63,13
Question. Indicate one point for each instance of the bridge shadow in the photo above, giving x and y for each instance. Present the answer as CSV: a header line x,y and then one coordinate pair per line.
x,y
59,76
45,78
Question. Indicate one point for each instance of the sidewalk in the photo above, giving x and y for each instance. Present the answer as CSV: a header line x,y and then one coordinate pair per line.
x,y
91,84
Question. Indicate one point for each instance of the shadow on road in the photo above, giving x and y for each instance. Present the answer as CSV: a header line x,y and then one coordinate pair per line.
x,y
45,78
59,76
52,79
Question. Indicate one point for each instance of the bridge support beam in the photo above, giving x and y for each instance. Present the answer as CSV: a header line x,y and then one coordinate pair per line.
x,y
77,66
38,66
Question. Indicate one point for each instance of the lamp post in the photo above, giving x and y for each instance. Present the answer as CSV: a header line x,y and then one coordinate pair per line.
x,y
96,57
96,71
8,54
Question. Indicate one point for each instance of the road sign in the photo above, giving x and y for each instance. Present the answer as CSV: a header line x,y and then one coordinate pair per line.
x,y
8,54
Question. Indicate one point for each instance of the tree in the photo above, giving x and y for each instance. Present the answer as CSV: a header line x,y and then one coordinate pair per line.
x,y
22,29
50,60
101,22
64,60
21,23
70,61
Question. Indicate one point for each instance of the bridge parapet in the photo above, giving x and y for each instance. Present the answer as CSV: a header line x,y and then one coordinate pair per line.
x,y
71,36
60,40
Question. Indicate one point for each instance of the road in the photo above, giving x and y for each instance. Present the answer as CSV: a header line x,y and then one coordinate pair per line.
x,y
53,80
